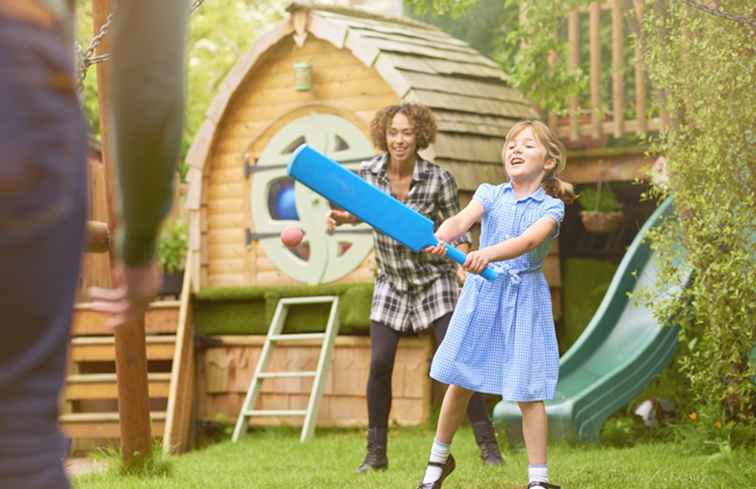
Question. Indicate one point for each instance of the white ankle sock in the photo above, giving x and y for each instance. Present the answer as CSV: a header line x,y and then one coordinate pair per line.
x,y
538,473
439,453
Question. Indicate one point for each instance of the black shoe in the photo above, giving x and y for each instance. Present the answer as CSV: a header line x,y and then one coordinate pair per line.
x,y
485,436
446,469
545,485
376,458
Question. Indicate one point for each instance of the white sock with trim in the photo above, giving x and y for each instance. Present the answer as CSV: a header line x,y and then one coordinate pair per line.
x,y
440,454
538,473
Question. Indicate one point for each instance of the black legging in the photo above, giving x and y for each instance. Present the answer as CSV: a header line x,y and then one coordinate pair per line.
x,y
383,344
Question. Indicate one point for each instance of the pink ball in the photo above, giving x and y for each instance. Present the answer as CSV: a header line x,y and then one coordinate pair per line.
x,y
291,236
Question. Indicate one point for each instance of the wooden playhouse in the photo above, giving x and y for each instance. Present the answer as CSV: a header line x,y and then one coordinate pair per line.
x,y
318,77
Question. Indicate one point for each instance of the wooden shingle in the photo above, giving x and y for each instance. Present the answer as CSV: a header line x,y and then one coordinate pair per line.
x,y
469,175
468,147
474,104
437,52
439,43
494,89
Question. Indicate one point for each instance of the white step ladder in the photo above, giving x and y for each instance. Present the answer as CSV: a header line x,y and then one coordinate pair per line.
x,y
324,364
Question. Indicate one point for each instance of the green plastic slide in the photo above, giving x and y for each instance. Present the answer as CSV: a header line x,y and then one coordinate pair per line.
x,y
620,351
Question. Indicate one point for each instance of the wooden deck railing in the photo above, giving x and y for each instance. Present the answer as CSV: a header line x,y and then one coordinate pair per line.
x,y
608,113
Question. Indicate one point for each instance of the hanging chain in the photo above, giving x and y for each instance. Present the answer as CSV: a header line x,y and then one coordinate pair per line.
x,y
87,58
719,12
195,5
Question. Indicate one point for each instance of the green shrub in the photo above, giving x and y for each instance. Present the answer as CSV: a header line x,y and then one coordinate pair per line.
x,y
705,65
602,200
705,431
625,430
172,246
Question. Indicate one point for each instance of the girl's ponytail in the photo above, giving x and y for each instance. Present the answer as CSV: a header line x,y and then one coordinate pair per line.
x,y
558,188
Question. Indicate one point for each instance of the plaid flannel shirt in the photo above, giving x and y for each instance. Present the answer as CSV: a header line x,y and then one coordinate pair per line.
x,y
414,289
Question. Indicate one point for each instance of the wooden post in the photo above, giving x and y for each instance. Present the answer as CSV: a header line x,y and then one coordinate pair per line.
x,y
133,396
98,237
594,31
573,37
552,117
618,67
640,73
100,11
131,355
660,11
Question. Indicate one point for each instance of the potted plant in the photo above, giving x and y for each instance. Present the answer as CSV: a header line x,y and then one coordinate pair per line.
x,y
602,212
172,247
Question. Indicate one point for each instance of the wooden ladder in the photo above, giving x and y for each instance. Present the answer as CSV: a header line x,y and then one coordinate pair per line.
x,y
275,336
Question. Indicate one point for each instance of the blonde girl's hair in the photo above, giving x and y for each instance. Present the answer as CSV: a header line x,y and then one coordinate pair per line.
x,y
555,151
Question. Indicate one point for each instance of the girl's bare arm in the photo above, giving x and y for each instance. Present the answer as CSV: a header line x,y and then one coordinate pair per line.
x,y
457,225
536,234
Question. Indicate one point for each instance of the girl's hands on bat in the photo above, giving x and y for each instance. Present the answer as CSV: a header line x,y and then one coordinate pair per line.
x,y
477,260
337,218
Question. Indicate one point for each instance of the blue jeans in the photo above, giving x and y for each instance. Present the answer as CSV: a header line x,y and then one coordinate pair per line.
x,y
43,150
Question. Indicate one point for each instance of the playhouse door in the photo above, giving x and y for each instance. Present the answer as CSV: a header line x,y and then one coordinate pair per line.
x,y
278,201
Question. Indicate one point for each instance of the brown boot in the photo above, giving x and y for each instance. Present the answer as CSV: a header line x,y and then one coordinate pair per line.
x,y
485,436
376,451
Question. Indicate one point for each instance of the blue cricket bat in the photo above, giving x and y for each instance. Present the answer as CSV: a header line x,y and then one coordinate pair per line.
x,y
373,206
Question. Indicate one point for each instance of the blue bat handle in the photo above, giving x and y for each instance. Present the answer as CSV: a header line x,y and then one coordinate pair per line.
x,y
488,273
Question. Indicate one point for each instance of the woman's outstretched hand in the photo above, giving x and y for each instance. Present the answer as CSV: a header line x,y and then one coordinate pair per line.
x,y
438,250
337,218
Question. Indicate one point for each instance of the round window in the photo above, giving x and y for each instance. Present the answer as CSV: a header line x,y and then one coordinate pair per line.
x,y
278,201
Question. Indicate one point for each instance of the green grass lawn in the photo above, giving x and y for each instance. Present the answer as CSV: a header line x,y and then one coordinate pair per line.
x,y
275,459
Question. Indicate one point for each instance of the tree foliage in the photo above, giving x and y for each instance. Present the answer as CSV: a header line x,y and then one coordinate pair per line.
x,y
517,46
707,66
484,24
220,32
455,8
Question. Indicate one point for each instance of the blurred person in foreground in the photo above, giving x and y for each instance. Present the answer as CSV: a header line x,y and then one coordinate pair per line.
x,y
43,200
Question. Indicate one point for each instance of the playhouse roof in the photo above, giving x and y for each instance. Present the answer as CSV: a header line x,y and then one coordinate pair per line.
x,y
468,92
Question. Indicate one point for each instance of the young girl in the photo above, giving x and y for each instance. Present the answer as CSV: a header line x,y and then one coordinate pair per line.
x,y
501,338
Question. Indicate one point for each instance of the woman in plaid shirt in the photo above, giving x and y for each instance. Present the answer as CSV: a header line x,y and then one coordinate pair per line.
x,y
413,291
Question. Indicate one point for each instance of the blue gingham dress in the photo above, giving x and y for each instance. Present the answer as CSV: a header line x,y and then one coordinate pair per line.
x,y
501,338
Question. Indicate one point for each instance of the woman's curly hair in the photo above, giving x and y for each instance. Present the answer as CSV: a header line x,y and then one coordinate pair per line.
x,y
419,115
